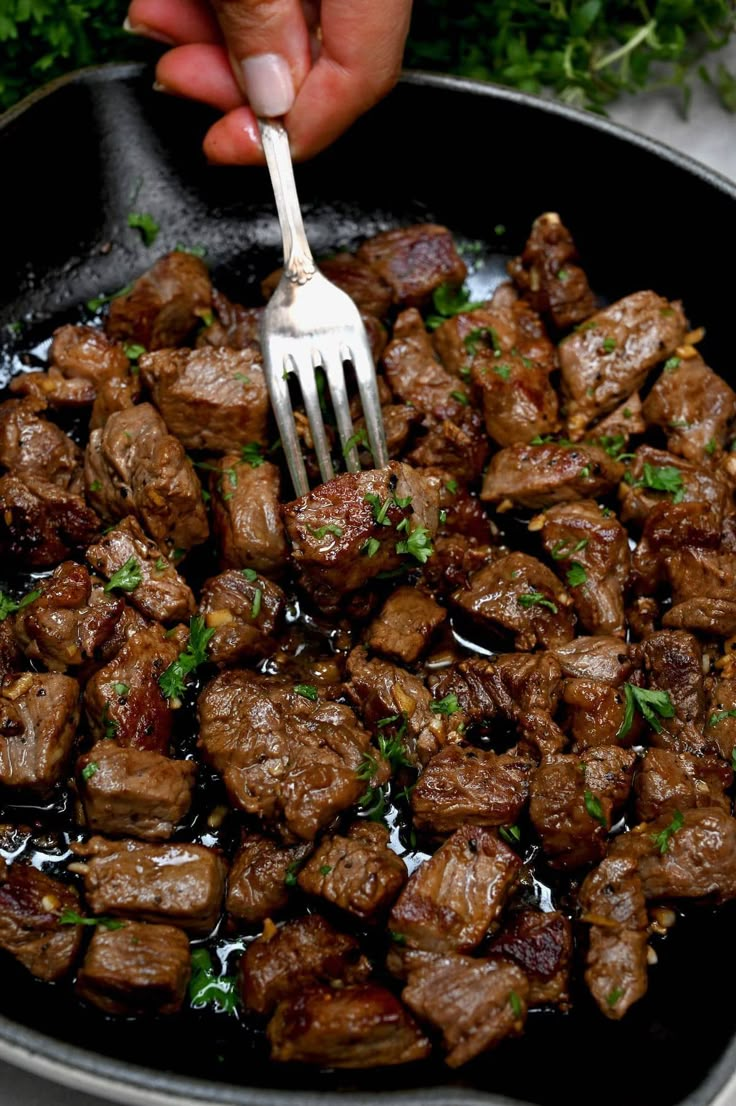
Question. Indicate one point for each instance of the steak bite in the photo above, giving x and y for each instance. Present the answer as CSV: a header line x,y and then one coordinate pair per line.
x,y
114,395
84,352
519,403
285,961
462,785
703,591
656,476
721,713
474,1003
405,625
136,970
668,782
416,376
673,663
693,406
31,905
595,713
33,447
362,281
133,466
359,872
668,528
288,759
128,792
245,610
606,659
451,899
260,876
39,714
246,515
361,1026
518,595
548,274
177,883
164,305
414,261
611,354
209,398
541,945
233,325
539,475
41,523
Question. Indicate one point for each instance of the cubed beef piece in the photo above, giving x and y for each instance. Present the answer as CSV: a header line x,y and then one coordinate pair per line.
x,y
164,305
451,899
161,594
31,905
703,616
590,550
609,771
114,395
209,398
359,872
355,1027
415,375
399,420
85,352
70,622
286,960
405,625
540,475
612,903
606,659
721,713
624,422
475,1004
668,782
246,516
282,756
40,714
571,819
260,877
656,476
363,283
463,785
517,595
693,406
33,447
458,444
414,261
133,792
668,528
519,403
234,325
509,685
245,610
178,883
11,658
53,389
595,713
673,663
133,466
345,532
41,523
703,591
124,701
611,354
136,970
542,946
549,276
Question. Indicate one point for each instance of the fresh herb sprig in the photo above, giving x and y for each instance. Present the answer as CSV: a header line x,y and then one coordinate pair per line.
x,y
206,988
173,680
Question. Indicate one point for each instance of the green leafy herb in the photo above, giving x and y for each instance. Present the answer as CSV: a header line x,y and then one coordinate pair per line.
x,y
126,578
719,715
173,680
561,550
133,351
255,609
510,834
71,918
99,301
161,565
442,516
392,749
95,486
206,988
371,547
515,1004
9,606
451,486
449,301
380,510
461,397
563,275
663,838
196,251
367,768
121,689
576,575
448,705
609,345
613,996
109,725
359,438
89,770
397,938
325,869
251,454
671,364
307,691
373,803
652,705
474,339
146,224
330,528
536,599
291,873
594,808
662,478
711,446
503,370
250,574
417,545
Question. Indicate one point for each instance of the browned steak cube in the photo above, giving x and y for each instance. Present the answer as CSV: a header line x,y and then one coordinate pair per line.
x,y
414,261
133,792
463,785
234,326
668,528
362,282
31,905
359,872
209,398
693,406
245,610
451,899
548,274
41,523
85,352
721,714
673,662
283,961
667,782
33,447
53,389
136,970
657,477
260,877
519,403
40,714
246,515
703,591
595,714
161,594
178,883
404,628
164,305
415,375
540,475
507,686
607,659
114,395
542,945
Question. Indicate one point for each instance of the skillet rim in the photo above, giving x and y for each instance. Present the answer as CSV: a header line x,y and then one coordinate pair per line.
x,y
121,1081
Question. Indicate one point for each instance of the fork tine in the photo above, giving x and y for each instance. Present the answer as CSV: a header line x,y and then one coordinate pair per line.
x,y
365,373
307,380
277,379
333,362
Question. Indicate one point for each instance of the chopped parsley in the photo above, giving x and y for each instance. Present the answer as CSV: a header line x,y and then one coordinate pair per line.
x,y
330,528
563,275
594,808
255,609
719,715
251,454
397,938
195,251
208,989
292,871
307,691
373,803
146,224
325,869
357,439
662,478
451,486
448,705
126,578
672,364
461,397
250,574
711,446
561,550
173,680
392,749
576,575
371,547
99,301
367,768
89,770
609,345
9,606
510,834
133,351
380,510
109,725
515,1004
652,705
536,599
662,839
95,486
447,302
417,545
160,565
121,689
613,996
473,340
503,370
71,918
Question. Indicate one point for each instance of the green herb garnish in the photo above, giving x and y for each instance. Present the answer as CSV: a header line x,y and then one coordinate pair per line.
x,y
9,606
208,989
307,691
536,599
173,680
448,705
576,575
652,705
417,545
146,224
251,454
662,839
126,578
71,918
594,808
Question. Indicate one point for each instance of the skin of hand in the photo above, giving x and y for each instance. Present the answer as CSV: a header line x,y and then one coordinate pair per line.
x,y
320,65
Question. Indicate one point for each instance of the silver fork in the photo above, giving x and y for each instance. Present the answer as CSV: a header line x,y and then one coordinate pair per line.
x,y
309,322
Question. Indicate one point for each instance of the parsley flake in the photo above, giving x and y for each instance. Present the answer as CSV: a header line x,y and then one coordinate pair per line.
x,y
650,705
663,838
208,989
146,224
307,691
173,680
126,578
576,575
251,454
417,545
448,705
594,808
255,609
72,918
9,606
89,770
536,599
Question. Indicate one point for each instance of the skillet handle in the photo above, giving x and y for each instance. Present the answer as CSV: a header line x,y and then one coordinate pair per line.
x,y
299,264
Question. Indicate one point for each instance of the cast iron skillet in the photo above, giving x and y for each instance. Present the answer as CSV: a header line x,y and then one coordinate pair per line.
x,y
76,159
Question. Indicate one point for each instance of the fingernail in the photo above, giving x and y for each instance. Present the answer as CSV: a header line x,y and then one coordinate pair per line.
x,y
146,32
157,86
268,84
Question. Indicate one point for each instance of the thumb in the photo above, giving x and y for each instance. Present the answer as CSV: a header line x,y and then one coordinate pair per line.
x,y
268,44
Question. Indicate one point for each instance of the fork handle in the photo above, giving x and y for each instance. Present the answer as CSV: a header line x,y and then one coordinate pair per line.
x,y
299,264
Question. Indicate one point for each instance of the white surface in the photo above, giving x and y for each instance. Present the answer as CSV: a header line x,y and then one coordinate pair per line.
x,y
709,134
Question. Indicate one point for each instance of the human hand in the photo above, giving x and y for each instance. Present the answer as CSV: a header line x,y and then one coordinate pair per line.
x,y
320,64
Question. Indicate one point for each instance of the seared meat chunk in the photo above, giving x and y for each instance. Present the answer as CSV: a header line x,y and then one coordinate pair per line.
x,y
693,406
540,475
33,447
705,616
519,403
595,713
133,466
509,685
622,423
548,274
344,533
668,528
285,961
133,792
404,627
474,1003
362,281
610,356
282,756
178,883
162,593
721,713
359,872
668,781
209,398
703,591
257,887
234,326
673,662
53,390
114,395
31,904
41,523
458,444
137,970
245,611
656,476
451,899
355,1027
414,261
541,944
84,352
612,901
571,816
414,373
11,658
463,785
518,595
246,515
607,659
164,305
39,714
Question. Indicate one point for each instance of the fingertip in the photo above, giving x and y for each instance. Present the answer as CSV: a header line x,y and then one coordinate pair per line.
x,y
200,72
234,140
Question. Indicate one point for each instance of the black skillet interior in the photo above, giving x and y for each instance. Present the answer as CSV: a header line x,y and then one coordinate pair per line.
x,y
75,163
